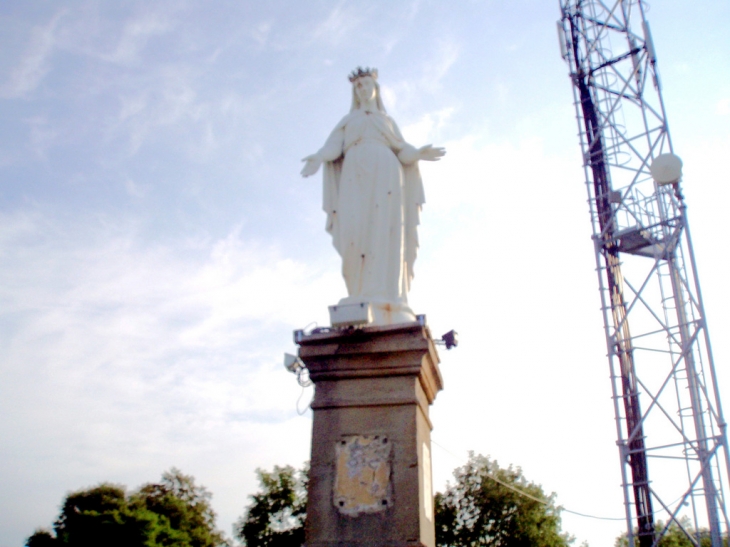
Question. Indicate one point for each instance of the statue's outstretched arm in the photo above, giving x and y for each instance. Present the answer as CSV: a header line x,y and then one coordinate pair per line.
x,y
312,164
410,154
429,153
331,150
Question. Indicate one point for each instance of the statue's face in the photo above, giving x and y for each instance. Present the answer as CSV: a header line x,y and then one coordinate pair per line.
x,y
365,88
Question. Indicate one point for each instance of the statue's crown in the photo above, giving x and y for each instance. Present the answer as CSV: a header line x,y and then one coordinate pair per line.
x,y
360,72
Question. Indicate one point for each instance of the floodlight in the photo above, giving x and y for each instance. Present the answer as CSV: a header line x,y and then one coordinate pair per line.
x,y
292,363
451,339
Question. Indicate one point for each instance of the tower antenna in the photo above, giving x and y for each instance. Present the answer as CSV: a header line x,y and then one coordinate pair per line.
x,y
671,432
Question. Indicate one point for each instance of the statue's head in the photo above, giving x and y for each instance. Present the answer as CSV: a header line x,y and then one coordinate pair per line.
x,y
365,87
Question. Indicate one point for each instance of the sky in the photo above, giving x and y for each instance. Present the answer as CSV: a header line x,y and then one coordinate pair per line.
x,y
158,245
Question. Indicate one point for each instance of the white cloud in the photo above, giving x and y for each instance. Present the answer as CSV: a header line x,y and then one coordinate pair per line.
x,y
42,135
134,37
174,100
120,357
400,95
132,106
723,107
121,39
413,9
261,33
134,189
447,53
338,25
426,129
35,62
171,100
104,318
130,295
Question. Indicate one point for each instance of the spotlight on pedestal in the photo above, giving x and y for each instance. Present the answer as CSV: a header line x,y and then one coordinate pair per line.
x,y
294,364
450,339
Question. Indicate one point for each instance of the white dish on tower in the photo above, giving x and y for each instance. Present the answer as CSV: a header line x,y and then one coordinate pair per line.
x,y
666,169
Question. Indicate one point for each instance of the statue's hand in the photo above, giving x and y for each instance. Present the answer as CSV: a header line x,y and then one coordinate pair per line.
x,y
312,165
429,153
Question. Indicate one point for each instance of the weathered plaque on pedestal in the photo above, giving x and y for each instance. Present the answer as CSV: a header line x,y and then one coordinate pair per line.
x,y
370,479
362,474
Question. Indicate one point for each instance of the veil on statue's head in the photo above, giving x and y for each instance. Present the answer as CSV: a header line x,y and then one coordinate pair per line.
x,y
360,73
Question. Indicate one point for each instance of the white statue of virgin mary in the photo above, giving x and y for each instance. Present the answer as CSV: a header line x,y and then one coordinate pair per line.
x,y
373,196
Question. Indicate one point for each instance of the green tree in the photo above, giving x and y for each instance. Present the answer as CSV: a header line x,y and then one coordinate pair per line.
x,y
496,507
102,515
275,517
673,535
41,538
476,511
183,508
173,513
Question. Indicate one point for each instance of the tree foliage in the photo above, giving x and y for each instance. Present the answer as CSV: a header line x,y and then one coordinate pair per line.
x,y
674,535
476,511
487,506
172,513
275,517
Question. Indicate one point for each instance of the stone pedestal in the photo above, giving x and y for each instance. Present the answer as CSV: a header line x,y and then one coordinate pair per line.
x,y
370,479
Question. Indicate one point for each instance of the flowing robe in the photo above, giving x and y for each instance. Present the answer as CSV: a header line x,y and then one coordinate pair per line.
x,y
373,196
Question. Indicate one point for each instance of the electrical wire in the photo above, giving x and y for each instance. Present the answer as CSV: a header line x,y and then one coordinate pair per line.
x,y
309,404
525,494
309,325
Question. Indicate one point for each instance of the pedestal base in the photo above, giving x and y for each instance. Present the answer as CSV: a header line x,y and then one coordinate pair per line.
x,y
383,312
370,479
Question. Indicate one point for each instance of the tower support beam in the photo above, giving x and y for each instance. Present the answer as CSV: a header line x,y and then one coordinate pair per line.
x,y
671,433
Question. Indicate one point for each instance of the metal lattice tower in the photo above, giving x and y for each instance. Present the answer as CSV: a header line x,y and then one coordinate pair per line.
x,y
671,434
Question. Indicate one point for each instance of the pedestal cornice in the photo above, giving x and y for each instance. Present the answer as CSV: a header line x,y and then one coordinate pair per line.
x,y
371,352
